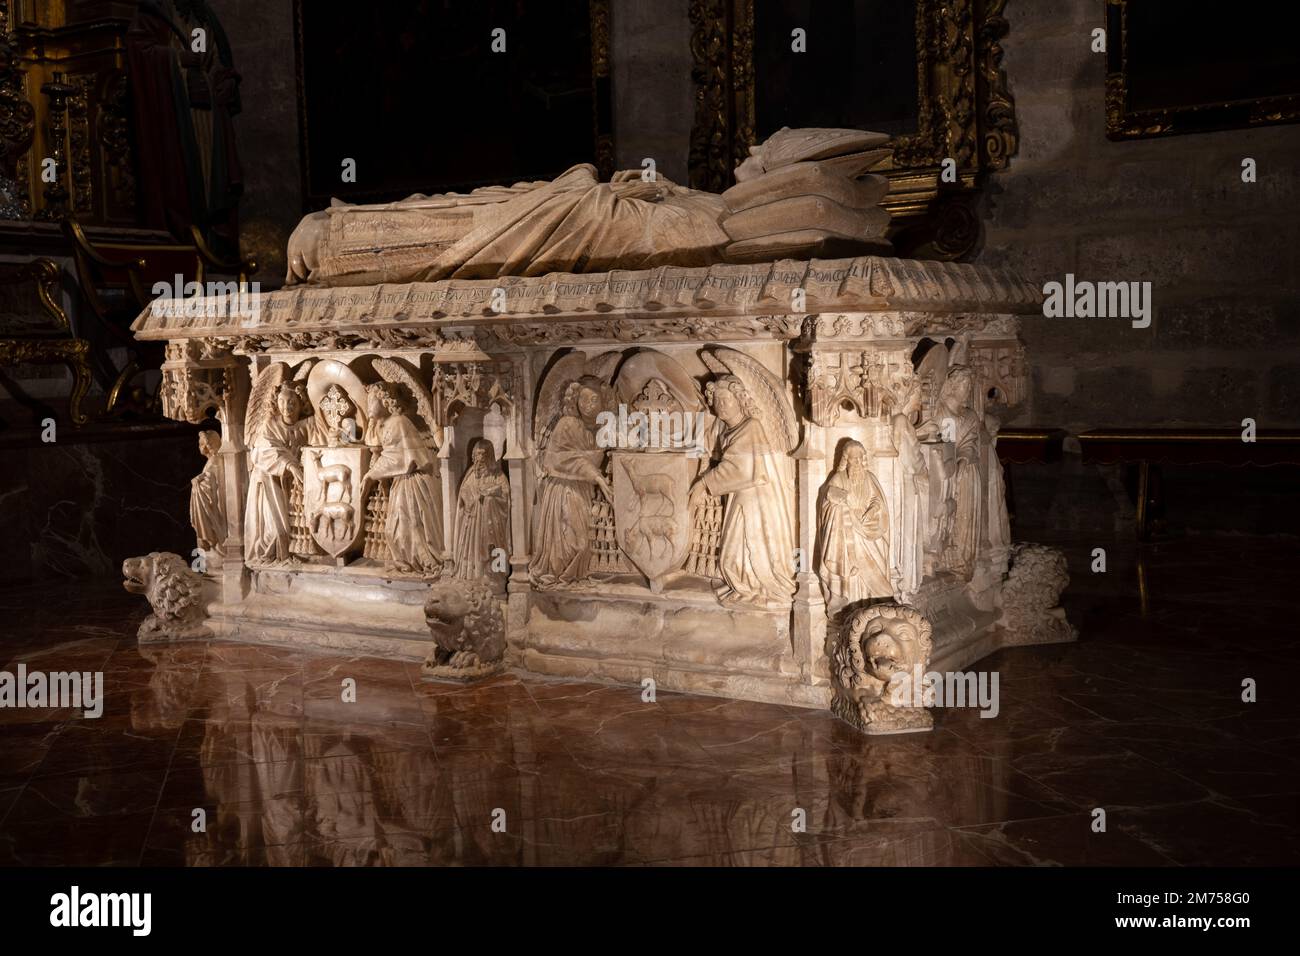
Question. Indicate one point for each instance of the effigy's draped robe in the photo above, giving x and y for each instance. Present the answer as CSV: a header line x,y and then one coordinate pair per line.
x,y
756,559
561,530
574,223
854,554
413,525
266,514
483,514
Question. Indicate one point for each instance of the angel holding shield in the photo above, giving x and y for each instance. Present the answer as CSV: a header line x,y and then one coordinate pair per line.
x,y
571,466
274,458
756,558
403,458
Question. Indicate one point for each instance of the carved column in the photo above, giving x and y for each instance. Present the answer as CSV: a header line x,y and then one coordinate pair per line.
x,y
809,628
519,587
203,378
448,491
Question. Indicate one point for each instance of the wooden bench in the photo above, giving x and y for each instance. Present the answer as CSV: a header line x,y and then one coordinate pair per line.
x,y
1149,448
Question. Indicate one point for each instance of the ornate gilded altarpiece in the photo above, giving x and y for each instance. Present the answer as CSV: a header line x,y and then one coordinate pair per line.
x,y
964,112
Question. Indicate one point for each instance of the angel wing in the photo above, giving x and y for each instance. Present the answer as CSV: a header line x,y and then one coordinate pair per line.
x,y
764,387
567,368
399,373
261,401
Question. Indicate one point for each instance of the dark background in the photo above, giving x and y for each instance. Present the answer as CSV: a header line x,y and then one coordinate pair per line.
x,y
411,91
859,71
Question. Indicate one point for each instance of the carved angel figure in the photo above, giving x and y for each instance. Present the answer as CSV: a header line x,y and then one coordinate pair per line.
x,y
207,505
405,461
571,466
274,457
482,516
756,558
913,493
957,422
853,531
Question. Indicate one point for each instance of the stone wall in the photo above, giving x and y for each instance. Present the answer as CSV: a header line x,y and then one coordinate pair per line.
x,y
1222,255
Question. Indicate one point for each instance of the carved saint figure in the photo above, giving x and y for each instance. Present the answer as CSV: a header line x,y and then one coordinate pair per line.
x,y
958,423
999,521
274,457
853,531
913,493
482,516
756,557
571,465
207,506
413,525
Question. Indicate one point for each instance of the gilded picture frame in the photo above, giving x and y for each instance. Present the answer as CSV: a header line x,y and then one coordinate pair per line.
x,y
1226,60
965,114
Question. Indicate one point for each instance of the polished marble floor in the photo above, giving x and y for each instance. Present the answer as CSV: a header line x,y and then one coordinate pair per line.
x,y
1143,718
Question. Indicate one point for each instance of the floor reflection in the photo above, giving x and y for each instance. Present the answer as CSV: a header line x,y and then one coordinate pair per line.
x,y
1143,717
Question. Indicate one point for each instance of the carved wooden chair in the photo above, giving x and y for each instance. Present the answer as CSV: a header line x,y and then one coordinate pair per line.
x,y
117,279
34,329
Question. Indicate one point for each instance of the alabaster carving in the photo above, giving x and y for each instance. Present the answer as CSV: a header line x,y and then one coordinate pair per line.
x,y
572,470
404,464
853,534
960,426
999,523
464,618
207,495
275,465
1031,594
800,198
755,474
912,491
681,462
175,592
879,662
482,519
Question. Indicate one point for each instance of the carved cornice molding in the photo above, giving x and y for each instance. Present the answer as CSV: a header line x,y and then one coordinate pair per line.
x,y
393,315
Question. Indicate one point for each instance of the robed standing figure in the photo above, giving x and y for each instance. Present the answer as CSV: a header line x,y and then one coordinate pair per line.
x,y
853,531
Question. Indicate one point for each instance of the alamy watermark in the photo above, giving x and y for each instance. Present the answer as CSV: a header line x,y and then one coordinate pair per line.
x,y
950,689
1084,299
78,690
181,299
656,429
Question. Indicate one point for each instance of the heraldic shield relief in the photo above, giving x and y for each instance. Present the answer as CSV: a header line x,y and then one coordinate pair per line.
x,y
332,500
651,490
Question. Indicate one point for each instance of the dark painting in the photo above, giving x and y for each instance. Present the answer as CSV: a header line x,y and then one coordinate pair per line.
x,y
413,93
1199,65
859,70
